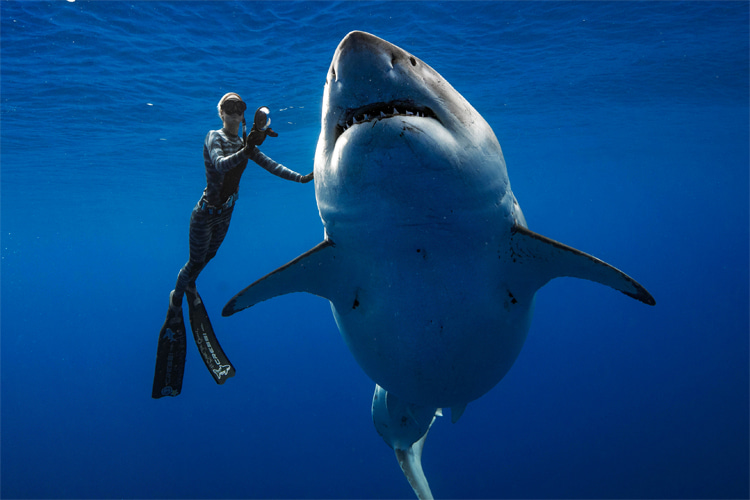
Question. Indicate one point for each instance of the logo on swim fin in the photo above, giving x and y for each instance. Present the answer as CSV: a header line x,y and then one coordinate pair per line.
x,y
168,391
208,353
222,370
169,334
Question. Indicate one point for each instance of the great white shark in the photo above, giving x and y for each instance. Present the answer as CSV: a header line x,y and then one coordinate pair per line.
x,y
427,260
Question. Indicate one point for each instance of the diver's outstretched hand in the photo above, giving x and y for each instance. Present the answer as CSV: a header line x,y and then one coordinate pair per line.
x,y
271,132
307,178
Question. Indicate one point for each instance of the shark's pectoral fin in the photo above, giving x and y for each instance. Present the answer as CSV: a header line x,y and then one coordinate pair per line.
x,y
555,259
404,427
306,273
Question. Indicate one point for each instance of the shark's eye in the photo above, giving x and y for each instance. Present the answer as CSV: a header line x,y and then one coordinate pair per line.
x,y
413,61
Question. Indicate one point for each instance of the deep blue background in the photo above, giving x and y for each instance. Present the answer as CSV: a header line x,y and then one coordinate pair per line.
x,y
625,130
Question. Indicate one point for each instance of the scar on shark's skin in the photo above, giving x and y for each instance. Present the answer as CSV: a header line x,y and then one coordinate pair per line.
x,y
434,271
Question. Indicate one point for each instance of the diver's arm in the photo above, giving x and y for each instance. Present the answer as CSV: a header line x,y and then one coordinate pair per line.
x,y
277,168
220,162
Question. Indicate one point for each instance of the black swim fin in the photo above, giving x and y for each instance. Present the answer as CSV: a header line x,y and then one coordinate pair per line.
x,y
170,356
208,345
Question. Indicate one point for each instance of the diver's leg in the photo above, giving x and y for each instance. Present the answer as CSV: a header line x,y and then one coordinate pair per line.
x,y
201,229
220,229
207,232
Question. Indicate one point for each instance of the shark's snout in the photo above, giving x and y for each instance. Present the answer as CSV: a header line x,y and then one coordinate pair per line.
x,y
378,54
371,79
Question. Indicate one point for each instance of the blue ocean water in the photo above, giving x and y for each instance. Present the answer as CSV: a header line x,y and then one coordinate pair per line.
x,y
625,131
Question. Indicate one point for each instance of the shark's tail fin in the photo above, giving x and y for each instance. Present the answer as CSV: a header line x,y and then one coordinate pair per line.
x,y
555,259
410,461
404,427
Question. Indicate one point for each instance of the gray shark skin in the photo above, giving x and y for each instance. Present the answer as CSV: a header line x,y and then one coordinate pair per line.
x,y
427,260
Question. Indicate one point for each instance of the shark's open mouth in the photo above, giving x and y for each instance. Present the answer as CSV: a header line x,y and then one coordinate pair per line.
x,y
381,110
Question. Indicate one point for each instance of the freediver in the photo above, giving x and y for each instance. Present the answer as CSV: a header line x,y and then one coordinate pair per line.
x,y
225,156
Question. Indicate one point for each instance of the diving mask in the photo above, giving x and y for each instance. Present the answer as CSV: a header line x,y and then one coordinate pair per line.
x,y
233,107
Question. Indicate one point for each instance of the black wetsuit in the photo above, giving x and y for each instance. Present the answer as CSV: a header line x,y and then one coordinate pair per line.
x,y
225,162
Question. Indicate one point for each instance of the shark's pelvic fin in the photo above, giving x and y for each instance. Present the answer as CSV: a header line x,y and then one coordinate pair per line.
x,y
555,259
306,273
456,412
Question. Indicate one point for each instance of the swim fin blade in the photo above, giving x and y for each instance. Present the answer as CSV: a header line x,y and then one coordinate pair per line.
x,y
170,356
213,355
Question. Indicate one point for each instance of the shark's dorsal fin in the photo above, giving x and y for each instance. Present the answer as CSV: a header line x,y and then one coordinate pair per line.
x,y
306,273
555,260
